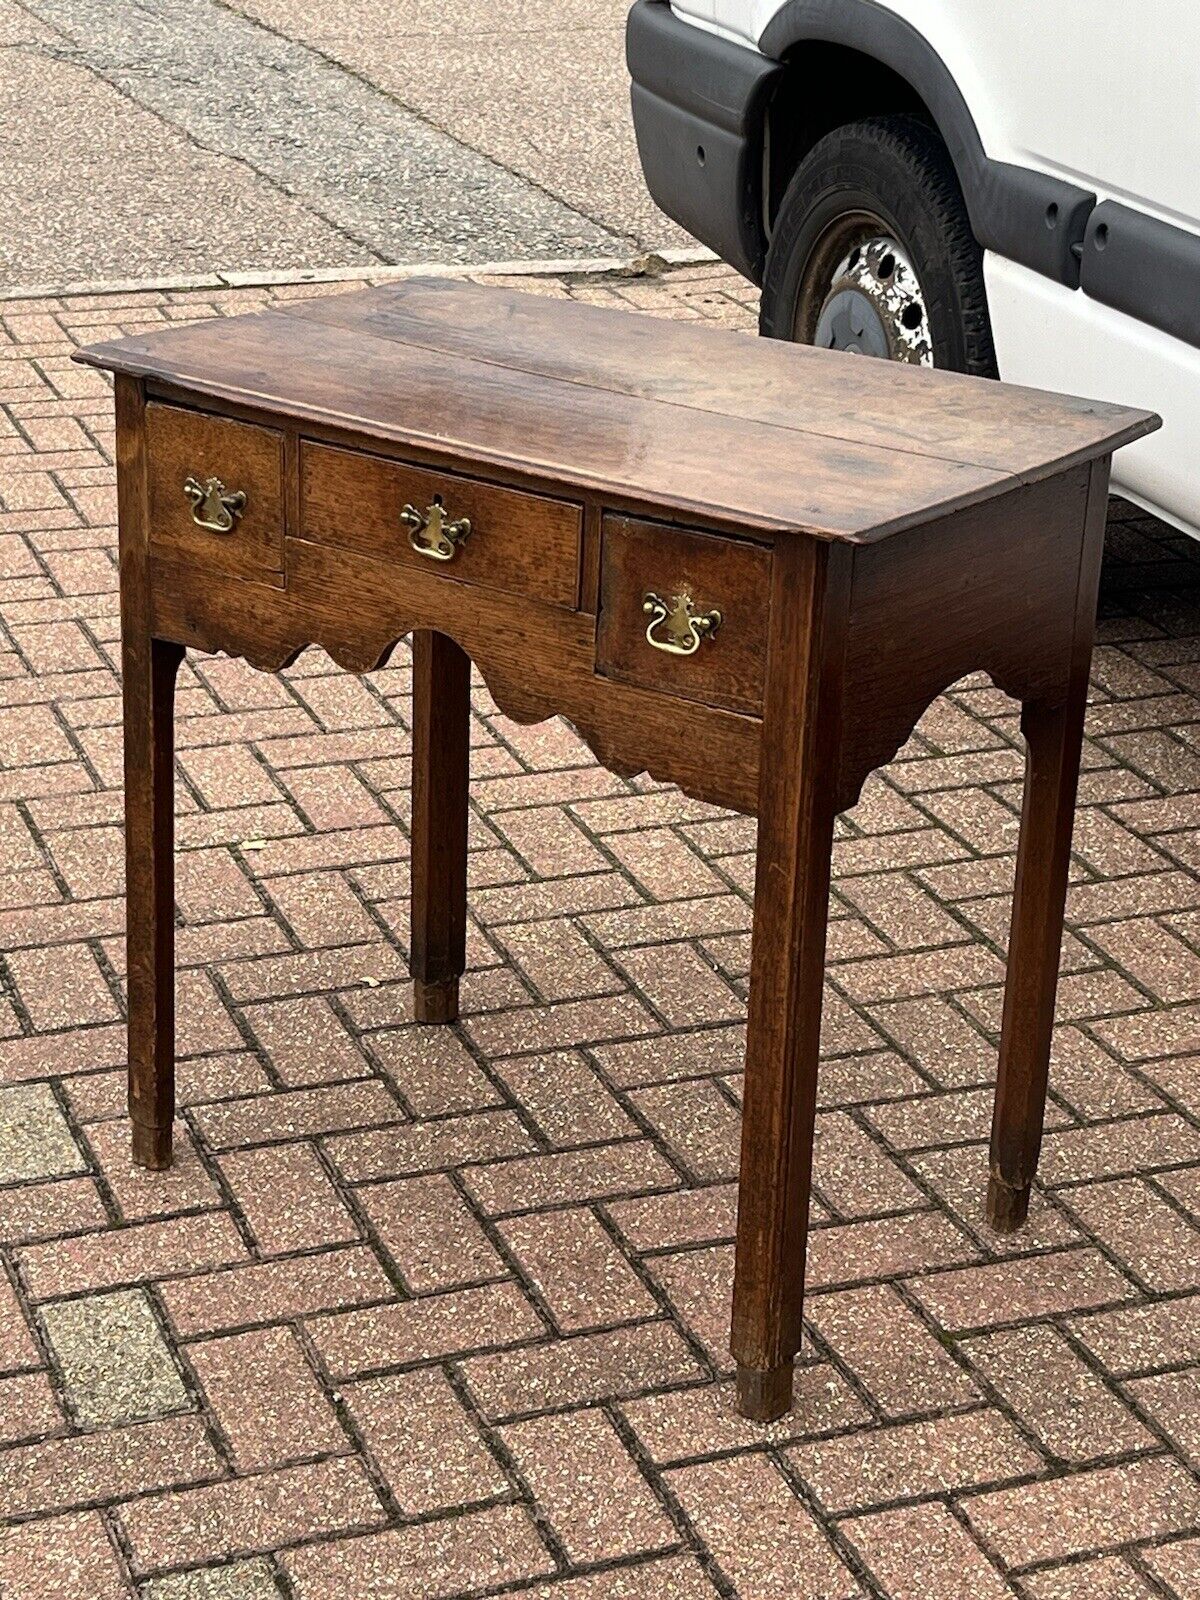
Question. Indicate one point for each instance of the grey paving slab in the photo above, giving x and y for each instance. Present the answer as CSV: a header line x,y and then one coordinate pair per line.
x,y
539,86
114,1362
574,133
93,186
317,19
35,1140
374,172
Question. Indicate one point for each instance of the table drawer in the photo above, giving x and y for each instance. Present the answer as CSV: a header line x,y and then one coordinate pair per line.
x,y
520,543
683,612
215,491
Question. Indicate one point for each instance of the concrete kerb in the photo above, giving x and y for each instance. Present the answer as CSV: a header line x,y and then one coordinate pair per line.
x,y
647,264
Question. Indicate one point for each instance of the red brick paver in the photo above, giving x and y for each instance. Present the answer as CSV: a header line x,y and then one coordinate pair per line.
x,y
436,1313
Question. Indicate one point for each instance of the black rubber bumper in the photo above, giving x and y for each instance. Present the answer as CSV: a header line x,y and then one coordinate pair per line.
x,y
1145,267
699,106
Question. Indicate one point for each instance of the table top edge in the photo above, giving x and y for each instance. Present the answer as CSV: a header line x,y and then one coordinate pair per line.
x,y
134,357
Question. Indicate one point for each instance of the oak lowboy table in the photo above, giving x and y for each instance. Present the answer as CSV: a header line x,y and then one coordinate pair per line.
x,y
743,567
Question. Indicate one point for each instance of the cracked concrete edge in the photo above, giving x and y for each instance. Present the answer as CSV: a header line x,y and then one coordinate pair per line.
x,y
644,263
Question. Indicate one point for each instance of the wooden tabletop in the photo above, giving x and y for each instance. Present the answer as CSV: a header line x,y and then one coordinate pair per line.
x,y
691,420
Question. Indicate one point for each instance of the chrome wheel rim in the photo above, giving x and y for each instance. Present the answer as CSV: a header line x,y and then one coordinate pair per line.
x,y
860,293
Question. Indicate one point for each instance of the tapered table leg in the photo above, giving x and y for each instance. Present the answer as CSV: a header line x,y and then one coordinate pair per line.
x,y
441,774
1052,736
795,834
1053,744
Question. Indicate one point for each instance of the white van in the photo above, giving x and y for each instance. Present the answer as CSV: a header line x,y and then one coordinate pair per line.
x,y
987,185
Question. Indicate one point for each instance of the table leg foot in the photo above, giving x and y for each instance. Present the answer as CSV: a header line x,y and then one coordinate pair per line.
x,y
763,1396
151,1146
1007,1207
435,1001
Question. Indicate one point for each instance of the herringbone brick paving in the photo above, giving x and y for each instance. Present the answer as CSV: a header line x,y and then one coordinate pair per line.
x,y
434,1313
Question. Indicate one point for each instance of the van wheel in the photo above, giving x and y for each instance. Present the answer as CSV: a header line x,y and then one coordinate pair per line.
x,y
873,252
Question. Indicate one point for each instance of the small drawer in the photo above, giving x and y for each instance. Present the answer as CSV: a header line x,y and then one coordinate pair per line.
x,y
683,612
215,492
470,531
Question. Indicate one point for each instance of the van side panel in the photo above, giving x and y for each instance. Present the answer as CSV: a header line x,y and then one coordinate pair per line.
x,y
1063,86
1056,338
1106,96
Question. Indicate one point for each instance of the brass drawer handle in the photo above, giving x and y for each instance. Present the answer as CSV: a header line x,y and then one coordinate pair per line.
x,y
684,630
214,507
432,533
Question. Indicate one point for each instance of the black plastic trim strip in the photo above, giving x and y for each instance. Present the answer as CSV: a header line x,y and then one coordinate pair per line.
x,y
1143,266
1030,217
699,109
721,83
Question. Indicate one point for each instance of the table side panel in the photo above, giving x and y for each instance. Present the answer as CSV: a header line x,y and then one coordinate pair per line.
x,y
989,589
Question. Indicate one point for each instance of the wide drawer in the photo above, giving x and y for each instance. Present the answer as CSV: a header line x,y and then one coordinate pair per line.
x,y
683,612
215,492
474,532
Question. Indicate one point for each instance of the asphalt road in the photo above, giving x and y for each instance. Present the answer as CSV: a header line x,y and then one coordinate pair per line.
x,y
167,138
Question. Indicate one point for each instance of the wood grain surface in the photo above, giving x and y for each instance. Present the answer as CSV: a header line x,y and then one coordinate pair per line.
x,y
693,422
523,543
601,459
181,444
728,575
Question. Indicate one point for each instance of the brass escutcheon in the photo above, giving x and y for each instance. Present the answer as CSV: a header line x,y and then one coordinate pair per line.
x,y
432,533
213,506
677,617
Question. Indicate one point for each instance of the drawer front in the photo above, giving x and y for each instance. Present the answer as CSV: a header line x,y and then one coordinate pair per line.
x,y
215,492
684,613
520,543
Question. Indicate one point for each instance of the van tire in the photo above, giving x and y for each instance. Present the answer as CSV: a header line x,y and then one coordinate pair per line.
x,y
893,171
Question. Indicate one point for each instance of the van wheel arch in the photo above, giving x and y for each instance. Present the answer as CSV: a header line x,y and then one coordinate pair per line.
x,y
856,59
824,86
